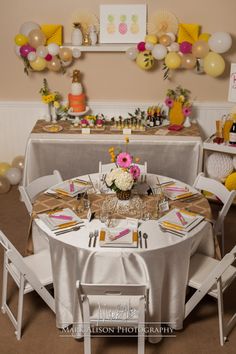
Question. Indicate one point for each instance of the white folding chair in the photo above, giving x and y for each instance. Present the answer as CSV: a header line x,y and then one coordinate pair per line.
x,y
37,186
112,305
221,192
29,273
213,277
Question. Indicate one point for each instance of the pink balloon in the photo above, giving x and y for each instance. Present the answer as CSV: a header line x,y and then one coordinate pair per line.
x,y
26,49
48,57
185,47
141,46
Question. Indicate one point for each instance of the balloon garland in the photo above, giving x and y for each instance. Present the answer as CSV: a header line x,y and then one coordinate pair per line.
x,y
11,174
37,56
202,56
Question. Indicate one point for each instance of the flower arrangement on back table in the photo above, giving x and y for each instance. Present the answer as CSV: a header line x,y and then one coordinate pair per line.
x,y
122,178
179,104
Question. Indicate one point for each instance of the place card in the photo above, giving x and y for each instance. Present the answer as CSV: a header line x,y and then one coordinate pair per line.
x,y
85,131
163,206
127,131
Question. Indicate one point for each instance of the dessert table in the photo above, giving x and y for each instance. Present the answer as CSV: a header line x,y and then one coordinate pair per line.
x,y
74,153
163,265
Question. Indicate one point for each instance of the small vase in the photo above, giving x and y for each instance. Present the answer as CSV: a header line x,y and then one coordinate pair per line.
x,y
123,195
76,35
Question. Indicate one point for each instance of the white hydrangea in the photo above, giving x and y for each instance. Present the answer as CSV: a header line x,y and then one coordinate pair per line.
x,y
111,176
124,181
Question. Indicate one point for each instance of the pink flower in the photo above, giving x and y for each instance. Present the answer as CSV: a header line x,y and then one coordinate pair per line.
x,y
99,121
135,171
186,111
124,160
169,102
84,122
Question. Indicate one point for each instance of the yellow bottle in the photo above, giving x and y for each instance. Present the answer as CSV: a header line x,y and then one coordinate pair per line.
x,y
227,126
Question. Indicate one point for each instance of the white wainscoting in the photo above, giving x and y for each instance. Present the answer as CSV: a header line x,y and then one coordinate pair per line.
x,y
18,118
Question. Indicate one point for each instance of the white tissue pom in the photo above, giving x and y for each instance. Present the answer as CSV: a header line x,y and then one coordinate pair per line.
x,y
219,165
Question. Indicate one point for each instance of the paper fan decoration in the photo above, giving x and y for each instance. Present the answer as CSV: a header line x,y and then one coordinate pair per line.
x,y
161,22
86,18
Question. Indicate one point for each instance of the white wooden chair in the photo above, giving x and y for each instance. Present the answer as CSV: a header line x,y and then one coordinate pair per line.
x,y
29,273
115,305
221,192
37,186
213,277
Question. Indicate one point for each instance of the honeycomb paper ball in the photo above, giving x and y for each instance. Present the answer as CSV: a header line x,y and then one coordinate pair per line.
x,y
219,165
230,182
234,162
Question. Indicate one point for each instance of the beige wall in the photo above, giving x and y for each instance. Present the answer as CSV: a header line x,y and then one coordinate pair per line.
x,y
110,76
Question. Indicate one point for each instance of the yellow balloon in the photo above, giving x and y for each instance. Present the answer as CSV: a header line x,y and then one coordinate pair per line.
x,y
145,60
20,39
38,64
173,60
151,38
54,64
4,185
230,182
36,38
4,166
200,49
18,162
214,64
204,37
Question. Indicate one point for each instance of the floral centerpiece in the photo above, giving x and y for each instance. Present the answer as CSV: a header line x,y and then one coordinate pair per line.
x,y
178,101
122,178
52,99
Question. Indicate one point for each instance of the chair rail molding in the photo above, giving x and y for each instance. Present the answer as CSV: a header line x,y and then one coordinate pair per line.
x,y
17,119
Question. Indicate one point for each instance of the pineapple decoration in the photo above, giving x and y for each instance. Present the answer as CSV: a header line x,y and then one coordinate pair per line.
x,y
110,26
134,28
123,26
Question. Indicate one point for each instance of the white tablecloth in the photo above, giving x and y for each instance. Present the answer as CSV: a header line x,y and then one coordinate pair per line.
x,y
163,266
77,154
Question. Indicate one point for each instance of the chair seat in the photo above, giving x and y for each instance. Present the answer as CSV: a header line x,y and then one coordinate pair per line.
x,y
201,266
40,263
115,309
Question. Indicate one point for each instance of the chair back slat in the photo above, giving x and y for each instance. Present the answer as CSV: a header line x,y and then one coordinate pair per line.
x,y
112,290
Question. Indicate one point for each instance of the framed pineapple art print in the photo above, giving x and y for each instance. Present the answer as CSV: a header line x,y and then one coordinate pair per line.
x,y
122,23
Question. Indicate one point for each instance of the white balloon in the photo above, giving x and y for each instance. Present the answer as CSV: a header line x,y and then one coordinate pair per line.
x,y
220,42
27,27
159,51
13,175
17,50
132,53
149,46
171,35
31,56
76,53
53,49
174,47
42,51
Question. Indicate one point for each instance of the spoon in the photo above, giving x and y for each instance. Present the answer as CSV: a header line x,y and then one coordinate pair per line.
x,y
145,236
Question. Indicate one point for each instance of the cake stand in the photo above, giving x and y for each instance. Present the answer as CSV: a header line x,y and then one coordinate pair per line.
x,y
76,115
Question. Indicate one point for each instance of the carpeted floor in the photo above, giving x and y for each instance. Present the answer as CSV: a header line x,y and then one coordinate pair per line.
x,y
40,335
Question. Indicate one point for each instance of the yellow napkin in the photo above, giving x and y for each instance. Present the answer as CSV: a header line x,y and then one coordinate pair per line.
x,y
188,32
53,33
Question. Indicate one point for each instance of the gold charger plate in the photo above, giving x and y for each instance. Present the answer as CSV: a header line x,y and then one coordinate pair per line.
x,y
52,128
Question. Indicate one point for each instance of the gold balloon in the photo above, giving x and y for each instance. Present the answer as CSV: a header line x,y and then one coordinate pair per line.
x,y
4,185
54,64
65,54
145,60
214,64
200,49
173,60
36,38
204,37
38,64
18,162
4,166
188,61
151,38
165,40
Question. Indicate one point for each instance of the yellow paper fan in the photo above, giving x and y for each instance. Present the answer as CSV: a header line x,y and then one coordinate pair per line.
x,y
161,22
86,18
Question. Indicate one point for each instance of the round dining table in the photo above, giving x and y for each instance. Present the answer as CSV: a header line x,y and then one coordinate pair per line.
x,y
162,262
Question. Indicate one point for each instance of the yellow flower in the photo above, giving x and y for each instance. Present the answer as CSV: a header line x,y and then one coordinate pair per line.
x,y
126,139
181,98
51,98
137,159
111,149
45,99
113,160
56,104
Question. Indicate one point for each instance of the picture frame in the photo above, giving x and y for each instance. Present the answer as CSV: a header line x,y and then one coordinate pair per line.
x,y
232,84
123,23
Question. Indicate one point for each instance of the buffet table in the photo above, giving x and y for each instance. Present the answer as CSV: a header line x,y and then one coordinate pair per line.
x,y
162,264
170,153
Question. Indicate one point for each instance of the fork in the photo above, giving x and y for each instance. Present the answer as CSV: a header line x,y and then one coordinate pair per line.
x,y
91,234
76,228
95,238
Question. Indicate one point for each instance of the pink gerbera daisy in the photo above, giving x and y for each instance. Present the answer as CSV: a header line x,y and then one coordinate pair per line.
x,y
187,111
169,102
135,171
124,160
